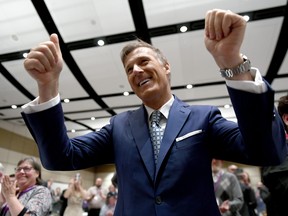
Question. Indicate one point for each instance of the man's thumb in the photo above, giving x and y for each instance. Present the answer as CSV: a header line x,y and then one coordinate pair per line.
x,y
55,40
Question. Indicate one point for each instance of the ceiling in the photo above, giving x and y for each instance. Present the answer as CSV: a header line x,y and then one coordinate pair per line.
x,y
93,78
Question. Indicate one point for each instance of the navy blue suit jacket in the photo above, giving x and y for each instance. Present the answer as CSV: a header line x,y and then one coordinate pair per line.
x,y
181,183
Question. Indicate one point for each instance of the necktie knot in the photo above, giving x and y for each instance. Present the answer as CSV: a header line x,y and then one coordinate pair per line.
x,y
156,117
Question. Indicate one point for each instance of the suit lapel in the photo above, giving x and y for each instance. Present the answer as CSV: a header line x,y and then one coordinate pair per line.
x,y
177,117
139,128
140,131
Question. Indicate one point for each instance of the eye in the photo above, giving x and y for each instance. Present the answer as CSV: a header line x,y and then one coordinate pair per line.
x,y
144,62
129,70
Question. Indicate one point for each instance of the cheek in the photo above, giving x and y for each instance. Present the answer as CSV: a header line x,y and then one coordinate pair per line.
x,y
130,79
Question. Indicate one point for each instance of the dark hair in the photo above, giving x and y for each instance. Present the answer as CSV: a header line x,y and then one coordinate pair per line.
x,y
109,195
283,108
36,166
140,43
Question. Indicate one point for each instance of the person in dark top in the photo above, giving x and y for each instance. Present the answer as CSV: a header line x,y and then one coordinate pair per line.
x,y
63,203
276,177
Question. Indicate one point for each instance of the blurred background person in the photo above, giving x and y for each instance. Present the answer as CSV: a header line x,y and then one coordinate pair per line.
x,y
56,202
264,194
232,168
75,194
250,202
227,190
276,177
109,207
112,189
97,197
33,198
63,203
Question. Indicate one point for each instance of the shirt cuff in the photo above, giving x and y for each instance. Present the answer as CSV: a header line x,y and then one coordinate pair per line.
x,y
34,105
257,86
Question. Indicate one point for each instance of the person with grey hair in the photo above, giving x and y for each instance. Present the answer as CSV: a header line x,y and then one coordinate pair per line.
x,y
163,150
32,198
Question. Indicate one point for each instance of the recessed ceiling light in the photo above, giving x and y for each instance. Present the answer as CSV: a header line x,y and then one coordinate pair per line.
x,y
183,28
125,93
66,100
100,42
14,106
227,106
92,118
246,17
189,86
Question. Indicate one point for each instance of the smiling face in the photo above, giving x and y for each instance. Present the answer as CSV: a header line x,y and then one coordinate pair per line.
x,y
26,175
148,76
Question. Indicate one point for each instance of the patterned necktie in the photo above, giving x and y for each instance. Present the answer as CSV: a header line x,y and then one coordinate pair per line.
x,y
156,132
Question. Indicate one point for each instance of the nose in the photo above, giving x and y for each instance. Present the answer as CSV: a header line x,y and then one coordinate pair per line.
x,y
137,69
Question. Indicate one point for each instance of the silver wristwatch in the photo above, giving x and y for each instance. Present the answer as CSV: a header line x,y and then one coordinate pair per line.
x,y
242,68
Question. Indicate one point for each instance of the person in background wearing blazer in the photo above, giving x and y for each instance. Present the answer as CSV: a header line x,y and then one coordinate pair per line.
x,y
175,179
227,189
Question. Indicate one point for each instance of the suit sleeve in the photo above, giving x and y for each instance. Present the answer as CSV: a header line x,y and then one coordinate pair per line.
x,y
59,152
260,125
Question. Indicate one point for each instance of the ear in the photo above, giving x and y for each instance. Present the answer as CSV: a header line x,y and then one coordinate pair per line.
x,y
285,118
167,68
37,173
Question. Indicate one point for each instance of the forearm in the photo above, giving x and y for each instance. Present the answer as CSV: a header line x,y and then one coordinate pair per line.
x,y
48,91
84,193
15,207
67,193
235,204
2,199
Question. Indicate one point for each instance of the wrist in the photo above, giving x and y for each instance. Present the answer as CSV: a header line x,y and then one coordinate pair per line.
x,y
239,72
229,60
47,91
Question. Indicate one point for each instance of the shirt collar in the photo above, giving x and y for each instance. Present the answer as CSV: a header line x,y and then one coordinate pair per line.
x,y
164,109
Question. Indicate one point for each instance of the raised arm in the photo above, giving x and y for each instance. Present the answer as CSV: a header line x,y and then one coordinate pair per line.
x,y
224,33
44,63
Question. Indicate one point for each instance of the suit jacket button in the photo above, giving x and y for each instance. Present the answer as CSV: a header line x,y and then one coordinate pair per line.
x,y
158,200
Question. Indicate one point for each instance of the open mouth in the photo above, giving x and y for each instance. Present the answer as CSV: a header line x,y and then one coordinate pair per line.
x,y
143,82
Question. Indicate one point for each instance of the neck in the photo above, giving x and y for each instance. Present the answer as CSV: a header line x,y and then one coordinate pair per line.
x,y
157,103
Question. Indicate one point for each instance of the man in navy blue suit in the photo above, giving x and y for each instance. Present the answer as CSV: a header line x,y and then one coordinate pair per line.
x,y
180,181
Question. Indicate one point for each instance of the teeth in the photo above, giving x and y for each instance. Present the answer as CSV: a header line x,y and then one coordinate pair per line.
x,y
143,82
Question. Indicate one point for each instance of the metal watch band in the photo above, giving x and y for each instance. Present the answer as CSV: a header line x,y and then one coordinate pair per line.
x,y
242,68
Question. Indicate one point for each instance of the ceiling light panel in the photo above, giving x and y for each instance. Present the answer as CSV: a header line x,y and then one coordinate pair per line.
x,y
122,101
9,94
87,115
103,68
166,12
21,27
83,19
284,66
80,105
69,86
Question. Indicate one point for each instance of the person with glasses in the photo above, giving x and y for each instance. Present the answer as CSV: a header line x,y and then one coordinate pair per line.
x,y
31,198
